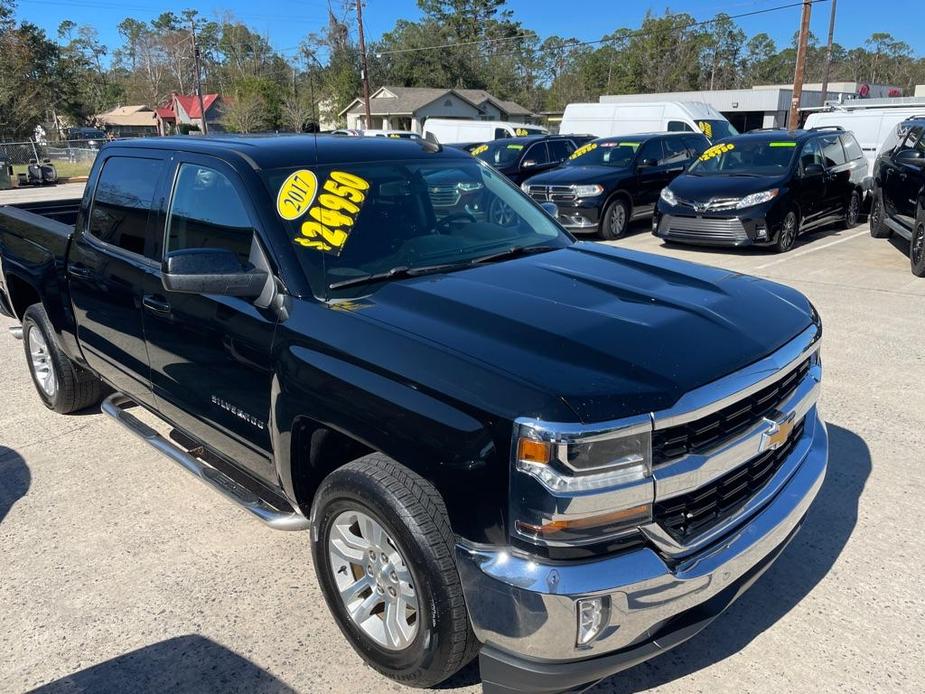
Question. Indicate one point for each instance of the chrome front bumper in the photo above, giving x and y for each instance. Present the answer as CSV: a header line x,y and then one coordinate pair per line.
x,y
525,609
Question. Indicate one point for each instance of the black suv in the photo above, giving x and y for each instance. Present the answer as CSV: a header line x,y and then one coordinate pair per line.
x,y
899,191
519,158
764,188
606,183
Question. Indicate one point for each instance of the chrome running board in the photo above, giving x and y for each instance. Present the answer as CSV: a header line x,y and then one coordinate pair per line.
x,y
16,331
278,519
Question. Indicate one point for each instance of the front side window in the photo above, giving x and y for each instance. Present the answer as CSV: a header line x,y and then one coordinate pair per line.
x,y
832,151
652,151
560,149
676,151
537,154
852,149
122,201
811,154
206,212
375,217
913,139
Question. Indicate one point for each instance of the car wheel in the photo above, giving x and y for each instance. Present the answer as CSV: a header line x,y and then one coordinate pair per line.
x,y
62,385
616,217
853,210
500,213
789,230
878,227
917,250
384,555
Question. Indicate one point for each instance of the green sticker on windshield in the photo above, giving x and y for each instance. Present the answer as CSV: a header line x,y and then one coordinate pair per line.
x,y
783,144
515,146
634,145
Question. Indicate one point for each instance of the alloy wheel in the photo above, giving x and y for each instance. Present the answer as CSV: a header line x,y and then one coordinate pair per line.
x,y
373,579
501,213
618,219
42,365
917,249
854,209
788,231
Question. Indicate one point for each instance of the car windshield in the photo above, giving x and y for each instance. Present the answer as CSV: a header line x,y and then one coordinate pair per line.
x,y
356,220
717,130
757,157
617,153
499,153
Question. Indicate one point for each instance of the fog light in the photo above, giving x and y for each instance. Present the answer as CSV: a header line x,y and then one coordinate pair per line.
x,y
592,613
761,233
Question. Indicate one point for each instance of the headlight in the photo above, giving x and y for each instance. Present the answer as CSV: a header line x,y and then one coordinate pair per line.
x,y
468,187
609,471
668,197
757,198
525,187
587,191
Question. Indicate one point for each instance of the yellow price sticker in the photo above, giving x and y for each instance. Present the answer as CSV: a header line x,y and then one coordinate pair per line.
x,y
296,194
333,218
581,151
476,151
706,128
521,132
716,150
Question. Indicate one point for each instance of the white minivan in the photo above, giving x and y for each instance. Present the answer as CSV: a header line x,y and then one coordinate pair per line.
x,y
455,130
871,126
625,118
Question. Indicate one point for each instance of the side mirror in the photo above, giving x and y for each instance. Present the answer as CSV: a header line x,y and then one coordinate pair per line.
x,y
551,209
648,163
813,170
912,157
211,271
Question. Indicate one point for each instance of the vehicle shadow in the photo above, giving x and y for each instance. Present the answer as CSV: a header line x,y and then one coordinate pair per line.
x,y
15,479
803,564
900,244
190,664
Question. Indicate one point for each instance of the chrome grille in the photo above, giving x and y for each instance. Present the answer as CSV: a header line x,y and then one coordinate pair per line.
x,y
444,196
702,229
551,193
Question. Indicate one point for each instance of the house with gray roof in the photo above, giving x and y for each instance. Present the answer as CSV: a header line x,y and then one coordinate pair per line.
x,y
406,108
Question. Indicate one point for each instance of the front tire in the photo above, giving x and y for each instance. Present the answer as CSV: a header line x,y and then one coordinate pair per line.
x,y
384,555
616,218
917,248
62,385
789,230
878,227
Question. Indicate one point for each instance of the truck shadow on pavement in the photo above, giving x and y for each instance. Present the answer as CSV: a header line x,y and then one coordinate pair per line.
x,y
190,664
807,560
15,479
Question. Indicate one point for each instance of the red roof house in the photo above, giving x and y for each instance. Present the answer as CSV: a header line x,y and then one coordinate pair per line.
x,y
183,109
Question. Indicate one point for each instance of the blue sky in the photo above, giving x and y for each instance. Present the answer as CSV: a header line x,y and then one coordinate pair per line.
x,y
287,24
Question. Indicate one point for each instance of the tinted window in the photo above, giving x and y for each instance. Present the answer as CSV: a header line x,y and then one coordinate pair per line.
x,y
697,145
676,126
749,155
501,133
206,212
812,154
832,151
651,150
537,153
123,198
676,151
912,139
560,149
852,148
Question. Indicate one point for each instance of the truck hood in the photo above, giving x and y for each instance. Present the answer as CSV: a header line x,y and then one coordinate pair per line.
x,y
569,175
610,332
705,188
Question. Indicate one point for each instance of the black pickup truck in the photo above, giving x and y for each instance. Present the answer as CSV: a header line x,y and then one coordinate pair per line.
x,y
560,456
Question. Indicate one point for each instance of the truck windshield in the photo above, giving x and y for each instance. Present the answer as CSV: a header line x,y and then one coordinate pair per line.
x,y
499,153
392,217
717,130
746,156
617,153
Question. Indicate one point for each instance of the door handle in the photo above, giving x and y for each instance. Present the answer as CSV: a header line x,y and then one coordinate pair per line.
x,y
80,270
155,304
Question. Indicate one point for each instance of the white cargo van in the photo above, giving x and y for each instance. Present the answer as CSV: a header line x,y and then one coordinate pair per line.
x,y
604,120
871,126
453,130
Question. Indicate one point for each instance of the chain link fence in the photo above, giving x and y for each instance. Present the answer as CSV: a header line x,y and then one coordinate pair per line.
x,y
70,157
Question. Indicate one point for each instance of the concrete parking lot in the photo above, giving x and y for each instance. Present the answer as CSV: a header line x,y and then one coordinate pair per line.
x,y
118,572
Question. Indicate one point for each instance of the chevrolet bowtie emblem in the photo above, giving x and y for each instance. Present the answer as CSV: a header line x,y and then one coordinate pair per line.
x,y
776,434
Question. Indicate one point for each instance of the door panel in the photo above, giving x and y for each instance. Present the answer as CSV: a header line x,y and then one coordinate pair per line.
x,y
107,266
651,179
908,181
810,189
210,356
838,185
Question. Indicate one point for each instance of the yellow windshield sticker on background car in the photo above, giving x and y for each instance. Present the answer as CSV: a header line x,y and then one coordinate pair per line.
x,y
716,150
583,150
706,128
335,214
296,194
783,144
476,151
521,132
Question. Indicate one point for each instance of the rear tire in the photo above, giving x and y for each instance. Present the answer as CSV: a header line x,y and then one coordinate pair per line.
x,y
853,210
878,227
380,535
62,385
789,230
917,248
616,220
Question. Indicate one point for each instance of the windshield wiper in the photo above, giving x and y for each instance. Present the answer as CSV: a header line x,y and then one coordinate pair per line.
x,y
513,253
398,272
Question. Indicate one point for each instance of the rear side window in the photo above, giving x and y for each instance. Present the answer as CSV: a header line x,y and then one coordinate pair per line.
x,y
852,149
123,199
206,212
832,151
560,149
652,150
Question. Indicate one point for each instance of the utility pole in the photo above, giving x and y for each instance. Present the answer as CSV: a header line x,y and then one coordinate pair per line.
x,y
202,110
364,71
793,120
828,55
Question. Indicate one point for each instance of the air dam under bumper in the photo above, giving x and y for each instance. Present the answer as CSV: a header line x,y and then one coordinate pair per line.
x,y
525,611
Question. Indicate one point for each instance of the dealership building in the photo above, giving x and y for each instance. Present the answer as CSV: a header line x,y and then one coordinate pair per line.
x,y
763,106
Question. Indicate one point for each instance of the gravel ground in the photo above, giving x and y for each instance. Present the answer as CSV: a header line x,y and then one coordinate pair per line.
x,y
119,573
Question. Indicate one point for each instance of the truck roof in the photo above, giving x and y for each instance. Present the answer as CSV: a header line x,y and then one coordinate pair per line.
x,y
278,151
